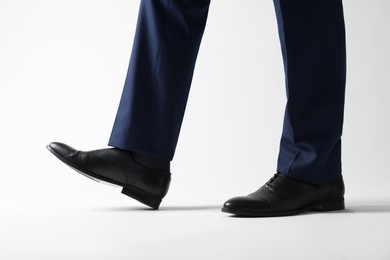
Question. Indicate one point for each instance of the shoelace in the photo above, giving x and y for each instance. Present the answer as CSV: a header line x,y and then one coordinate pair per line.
x,y
273,181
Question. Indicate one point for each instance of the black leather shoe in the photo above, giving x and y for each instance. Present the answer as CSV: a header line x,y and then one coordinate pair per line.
x,y
148,186
284,196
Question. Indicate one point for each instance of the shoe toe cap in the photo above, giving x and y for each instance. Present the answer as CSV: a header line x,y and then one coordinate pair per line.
x,y
61,149
247,202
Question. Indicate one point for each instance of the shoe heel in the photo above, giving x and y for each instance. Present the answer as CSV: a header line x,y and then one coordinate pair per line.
x,y
142,197
331,205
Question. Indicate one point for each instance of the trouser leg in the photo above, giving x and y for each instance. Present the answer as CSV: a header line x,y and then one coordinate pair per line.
x,y
312,37
159,76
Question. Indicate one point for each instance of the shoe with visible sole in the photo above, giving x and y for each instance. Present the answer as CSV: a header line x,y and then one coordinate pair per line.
x,y
118,167
285,196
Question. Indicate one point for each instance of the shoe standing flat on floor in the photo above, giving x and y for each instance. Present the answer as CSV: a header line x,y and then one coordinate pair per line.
x,y
116,166
284,196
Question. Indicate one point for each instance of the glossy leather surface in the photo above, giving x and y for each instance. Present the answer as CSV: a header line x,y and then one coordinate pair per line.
x,y
118,167
283,195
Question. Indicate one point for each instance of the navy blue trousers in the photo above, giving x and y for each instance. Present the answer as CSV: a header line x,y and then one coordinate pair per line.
x,y
167,40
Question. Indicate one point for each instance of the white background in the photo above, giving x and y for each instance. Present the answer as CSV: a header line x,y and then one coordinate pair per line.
x,y
62,69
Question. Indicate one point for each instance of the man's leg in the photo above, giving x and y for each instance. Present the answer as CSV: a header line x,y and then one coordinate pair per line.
x,y
313,43
152,106
159,76
312,36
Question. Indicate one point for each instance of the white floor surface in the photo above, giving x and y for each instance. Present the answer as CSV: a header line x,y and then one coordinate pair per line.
x,y
77,229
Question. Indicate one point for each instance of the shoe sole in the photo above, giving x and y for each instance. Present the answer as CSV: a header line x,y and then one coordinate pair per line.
x,y
131,191
329,205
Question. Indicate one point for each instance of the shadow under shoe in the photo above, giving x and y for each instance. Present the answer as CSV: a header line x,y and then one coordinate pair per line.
x,y
148,186
284,196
